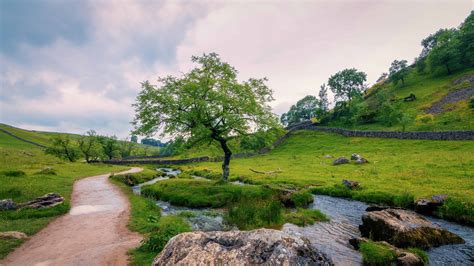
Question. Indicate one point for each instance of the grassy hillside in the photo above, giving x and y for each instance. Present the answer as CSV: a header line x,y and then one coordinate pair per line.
x,y
418,167
428,90
21,179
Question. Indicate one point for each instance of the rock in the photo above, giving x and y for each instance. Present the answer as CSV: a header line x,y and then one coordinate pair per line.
x,y
350,184
12,235
355,156
7,204
428,207
403,257
262,246
410,98
46,201
327,156
361,161
340,160
403,228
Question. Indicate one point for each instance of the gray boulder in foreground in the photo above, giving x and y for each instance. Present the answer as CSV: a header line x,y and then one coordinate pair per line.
x,y
262,246
403,228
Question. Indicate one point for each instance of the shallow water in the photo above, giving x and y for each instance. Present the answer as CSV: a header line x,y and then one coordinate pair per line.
x,y
346,215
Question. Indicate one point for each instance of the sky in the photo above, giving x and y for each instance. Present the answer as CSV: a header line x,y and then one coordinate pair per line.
x,y
71,66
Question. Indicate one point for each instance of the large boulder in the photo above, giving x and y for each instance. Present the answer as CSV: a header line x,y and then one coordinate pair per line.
x,y
7,204
48,200
262,246
340,160
404,228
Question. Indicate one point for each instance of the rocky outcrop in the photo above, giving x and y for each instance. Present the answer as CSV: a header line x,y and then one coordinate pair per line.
x,y
340,160
7,204
404,228
48,200
262,246
12,235
402,257
429,206
350,184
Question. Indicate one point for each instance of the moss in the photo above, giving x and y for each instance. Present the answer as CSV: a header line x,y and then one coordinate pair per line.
x,y
421,254
301,198
304,217
377,254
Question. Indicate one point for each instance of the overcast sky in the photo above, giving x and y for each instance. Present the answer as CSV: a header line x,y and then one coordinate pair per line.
x,y
77,65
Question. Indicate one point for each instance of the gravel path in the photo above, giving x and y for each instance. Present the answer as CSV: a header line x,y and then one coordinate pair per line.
x,y
94,232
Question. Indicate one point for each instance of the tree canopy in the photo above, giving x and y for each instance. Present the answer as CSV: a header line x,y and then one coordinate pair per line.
x,y
347,84
398,71
303,110
205,104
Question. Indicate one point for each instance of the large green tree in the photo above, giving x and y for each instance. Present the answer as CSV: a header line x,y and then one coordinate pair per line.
x,y
303,110
446,52
64,148
398,71
205,104
90,146
347,84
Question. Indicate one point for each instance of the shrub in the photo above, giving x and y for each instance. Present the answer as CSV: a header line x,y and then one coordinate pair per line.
x,y
424,119
168,226
304,217
376,254
302,198
14,173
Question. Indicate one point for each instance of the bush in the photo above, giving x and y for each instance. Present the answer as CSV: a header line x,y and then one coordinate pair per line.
x,y
168,227
424,119
302,198
304,217
376,254
250,214
14,173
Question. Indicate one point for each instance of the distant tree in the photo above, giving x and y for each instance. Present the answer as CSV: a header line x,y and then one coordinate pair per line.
x,y
347,84
382,77
398,71
126,148
446,52
90,146
205,104
323,101
466,38
303,110
134,139
153,142
110,146
63,147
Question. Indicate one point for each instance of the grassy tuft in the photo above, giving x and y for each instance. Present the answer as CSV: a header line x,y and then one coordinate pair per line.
x,y
251,214
304,217
376,254
302,198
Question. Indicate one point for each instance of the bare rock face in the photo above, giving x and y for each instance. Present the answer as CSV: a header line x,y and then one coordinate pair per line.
x,y
262,246
7,204
12,235
340,160
48,200
403,228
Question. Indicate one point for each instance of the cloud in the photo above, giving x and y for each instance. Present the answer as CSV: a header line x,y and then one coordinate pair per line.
x,y
77,65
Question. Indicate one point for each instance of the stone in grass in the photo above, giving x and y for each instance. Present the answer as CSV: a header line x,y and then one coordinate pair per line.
x,y
46,201
355,156
262,247
429,206
350,184
12,235
340,160
7,204
361,161
402,257
403,228
327,156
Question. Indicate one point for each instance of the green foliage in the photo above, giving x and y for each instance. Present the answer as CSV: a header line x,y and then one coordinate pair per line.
x,y
390,113
110,146
205,104
398,71
137,178
471,102
347,84
202,193
206,173
457,210
445,53
302,198
62,147
421,254
260,139
304,217
167,227
303,110
126,148
90,146
253,213
376,254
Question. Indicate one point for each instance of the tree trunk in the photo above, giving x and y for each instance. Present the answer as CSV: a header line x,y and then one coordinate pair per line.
x,y
226,163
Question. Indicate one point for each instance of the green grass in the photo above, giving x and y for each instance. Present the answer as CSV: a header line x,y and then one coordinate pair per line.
x,y
376,254
397,169
23,178
137,178
304,217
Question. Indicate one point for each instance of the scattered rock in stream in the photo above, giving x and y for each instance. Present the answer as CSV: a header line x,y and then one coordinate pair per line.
x,y
7,204
429,206
340,160
403,228
403,257
46,201
262,246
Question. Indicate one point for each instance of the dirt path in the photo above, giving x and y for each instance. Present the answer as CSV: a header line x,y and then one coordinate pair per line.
x,y
94,232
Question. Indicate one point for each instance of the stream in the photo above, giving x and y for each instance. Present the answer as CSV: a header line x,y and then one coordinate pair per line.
x,y
330,237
